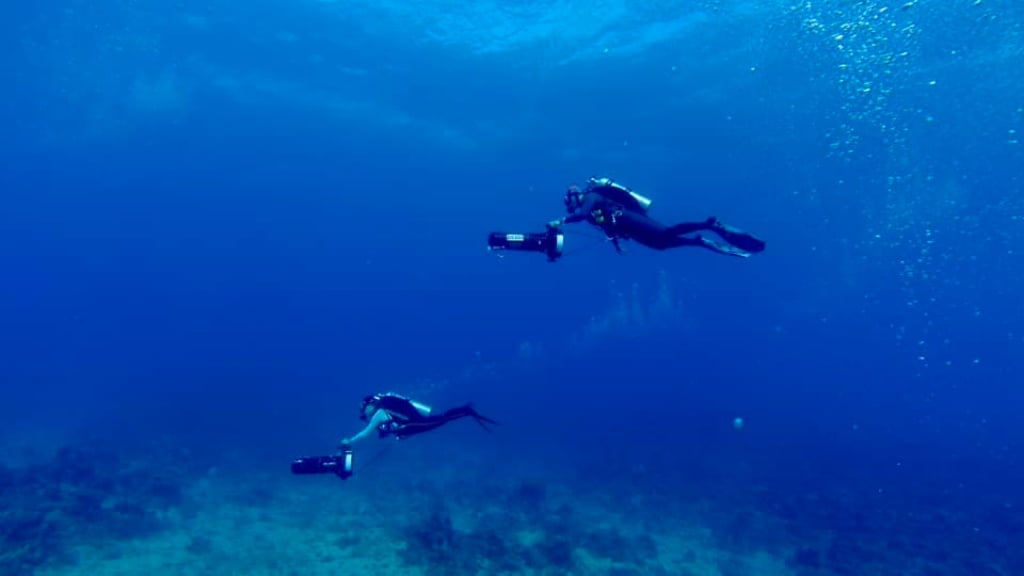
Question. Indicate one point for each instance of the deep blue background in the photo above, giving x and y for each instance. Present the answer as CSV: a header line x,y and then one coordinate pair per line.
x,y
226,228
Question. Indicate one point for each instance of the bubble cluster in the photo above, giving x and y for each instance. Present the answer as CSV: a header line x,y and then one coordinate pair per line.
x,y
868,51
915,95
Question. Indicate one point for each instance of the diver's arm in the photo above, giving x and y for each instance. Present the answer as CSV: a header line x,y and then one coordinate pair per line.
x,y
581,213
379,417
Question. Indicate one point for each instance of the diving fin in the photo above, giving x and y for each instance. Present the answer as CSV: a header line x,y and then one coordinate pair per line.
x,y
738,238
722,248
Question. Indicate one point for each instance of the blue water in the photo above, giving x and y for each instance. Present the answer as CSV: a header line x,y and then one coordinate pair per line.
x,y
222,225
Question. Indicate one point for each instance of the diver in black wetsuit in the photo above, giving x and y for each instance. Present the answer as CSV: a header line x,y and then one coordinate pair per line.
x,y
390,414
622,215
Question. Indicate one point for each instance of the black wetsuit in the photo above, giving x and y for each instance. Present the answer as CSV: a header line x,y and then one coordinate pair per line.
x,y
621,222
407,421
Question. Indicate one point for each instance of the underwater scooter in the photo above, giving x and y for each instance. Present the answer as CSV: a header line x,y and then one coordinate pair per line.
x,y
340,464
549,243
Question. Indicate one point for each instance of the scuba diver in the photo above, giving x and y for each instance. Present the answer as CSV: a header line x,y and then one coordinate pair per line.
x,y
622,215
391,414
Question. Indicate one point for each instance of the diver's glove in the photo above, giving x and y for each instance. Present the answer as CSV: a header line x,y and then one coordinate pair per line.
x,y
555,223
345,445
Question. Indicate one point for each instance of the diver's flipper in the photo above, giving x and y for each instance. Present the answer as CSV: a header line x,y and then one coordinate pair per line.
x,y
738,238
722,248
482,420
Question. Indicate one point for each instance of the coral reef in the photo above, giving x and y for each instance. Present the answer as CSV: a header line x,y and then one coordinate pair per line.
x,y
81,495
528,532
89,512
849,532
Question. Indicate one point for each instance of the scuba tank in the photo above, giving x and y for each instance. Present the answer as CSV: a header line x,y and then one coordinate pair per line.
x,y
423,409
404,407
619,194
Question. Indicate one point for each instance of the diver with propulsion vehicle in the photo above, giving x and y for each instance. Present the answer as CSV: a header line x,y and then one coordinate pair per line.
x,y
621,214
388,414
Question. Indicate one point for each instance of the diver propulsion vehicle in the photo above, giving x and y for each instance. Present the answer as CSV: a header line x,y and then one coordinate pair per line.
x,y
340,464
550,243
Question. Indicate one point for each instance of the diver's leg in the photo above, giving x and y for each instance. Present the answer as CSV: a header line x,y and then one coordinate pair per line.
x,y
432,422
738,238
688,227
467,410
419,426
703,242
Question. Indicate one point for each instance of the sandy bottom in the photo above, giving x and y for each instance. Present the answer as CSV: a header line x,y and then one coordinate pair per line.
x,y
260,526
